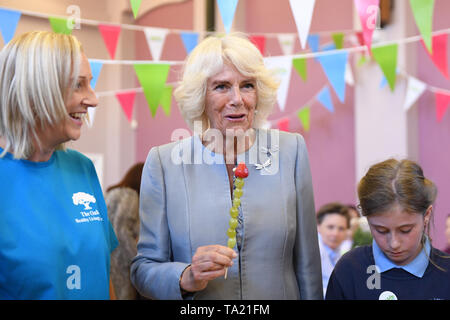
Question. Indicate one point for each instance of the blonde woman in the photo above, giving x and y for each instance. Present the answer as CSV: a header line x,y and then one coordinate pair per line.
x,y
56,238
187,190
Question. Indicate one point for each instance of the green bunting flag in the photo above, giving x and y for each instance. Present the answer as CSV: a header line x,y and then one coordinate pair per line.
x,y
152,78
135,5
338,39
300,65
303,115
423,14
59,25
166,100
386,57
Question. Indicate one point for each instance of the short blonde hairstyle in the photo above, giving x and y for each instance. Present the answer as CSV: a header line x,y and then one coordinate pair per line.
x,y
207,59
38,72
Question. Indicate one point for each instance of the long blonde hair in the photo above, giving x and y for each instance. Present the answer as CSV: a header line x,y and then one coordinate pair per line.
x,y
38,71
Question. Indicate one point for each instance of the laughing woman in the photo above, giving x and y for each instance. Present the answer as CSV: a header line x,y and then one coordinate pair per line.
x,y
56,238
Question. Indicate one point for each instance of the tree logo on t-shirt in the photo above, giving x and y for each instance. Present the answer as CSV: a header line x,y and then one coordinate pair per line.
x,y
83,198
387,295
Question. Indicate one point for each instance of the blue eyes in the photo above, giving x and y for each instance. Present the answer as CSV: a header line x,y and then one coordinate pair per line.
x,y
219,87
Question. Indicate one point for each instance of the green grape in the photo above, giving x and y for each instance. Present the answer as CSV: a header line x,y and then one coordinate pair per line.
x,y
239,183
233,223
234,212
231,233
231,242
236,202
237,193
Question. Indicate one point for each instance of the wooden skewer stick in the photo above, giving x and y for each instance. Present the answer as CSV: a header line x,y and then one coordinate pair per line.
x,y
226,273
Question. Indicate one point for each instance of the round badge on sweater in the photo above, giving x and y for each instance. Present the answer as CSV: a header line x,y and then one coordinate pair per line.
x,y
387,295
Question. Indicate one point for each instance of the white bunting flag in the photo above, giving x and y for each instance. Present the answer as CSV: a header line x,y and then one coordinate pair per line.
x,y
287,41
302,10
155,40
414,90
349,79
91,116
282,65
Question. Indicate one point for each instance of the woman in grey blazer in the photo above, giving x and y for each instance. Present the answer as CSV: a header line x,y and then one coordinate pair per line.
x,y
225,96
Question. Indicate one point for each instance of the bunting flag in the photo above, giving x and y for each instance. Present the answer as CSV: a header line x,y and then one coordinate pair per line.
x,y
60,25
190,40
259,42
8,23
302,11
126,100
110,34
96,67
152,78
91,116
334,66
287,42
135,5
384,81
349,79
328,47
442,101
338,39
386,57
166,100
300,65
439,53
155,40
423,15
282,66
368,11
414,90
360,38
304,116
227,9
324,98
283,124
314,42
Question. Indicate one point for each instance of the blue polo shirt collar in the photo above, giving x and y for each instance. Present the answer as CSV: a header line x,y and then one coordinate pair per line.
x,y
416,267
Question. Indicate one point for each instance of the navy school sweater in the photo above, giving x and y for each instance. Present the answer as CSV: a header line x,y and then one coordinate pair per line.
x,y
355,278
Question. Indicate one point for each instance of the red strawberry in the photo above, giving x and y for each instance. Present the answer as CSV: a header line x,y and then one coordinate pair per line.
x,y
241,171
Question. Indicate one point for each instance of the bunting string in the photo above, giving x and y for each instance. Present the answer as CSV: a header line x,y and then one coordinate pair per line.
x,y
133,27
333,57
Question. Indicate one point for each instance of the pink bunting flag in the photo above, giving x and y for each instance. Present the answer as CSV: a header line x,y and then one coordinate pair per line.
x,y
368,11
110,34
126,100
439,55
259,42
360,37
283,124
442,101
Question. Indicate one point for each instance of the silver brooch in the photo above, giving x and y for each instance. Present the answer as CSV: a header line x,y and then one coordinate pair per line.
x,y
269,153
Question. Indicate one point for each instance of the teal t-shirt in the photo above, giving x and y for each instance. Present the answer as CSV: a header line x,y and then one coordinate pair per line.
x,y
55,236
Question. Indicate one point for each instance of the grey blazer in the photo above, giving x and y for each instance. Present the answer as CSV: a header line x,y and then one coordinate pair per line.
x,y
185,201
